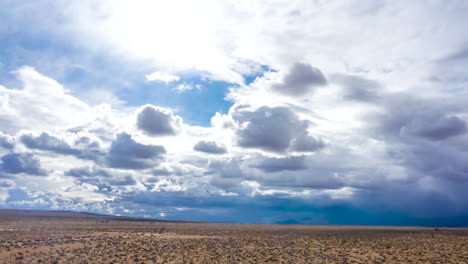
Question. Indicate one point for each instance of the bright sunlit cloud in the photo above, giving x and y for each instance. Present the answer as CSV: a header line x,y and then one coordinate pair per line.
x,y
162,76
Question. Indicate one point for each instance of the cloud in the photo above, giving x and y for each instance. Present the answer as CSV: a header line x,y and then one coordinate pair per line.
x,y
26,199
330,170
275,129
425,136
461,54
162,76
84,146
6,141
435,129
7,184
97,97
126,153
426,118
226,174
186,87
89,171
29,107
358,88
125,181
46,142
306,143
103,180
209,147
440,161
163,171
158,121
300,80
15,163
290,163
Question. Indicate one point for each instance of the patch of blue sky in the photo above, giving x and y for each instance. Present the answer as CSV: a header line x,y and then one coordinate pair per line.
x,y
263,69
196,105
49,55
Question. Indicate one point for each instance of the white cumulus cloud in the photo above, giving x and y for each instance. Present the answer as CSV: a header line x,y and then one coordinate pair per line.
x,y
162,77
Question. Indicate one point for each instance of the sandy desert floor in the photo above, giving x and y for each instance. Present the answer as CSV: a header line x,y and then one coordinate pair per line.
x,y
45,240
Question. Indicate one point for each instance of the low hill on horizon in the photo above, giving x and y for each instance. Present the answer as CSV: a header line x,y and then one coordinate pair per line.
x,y
13,213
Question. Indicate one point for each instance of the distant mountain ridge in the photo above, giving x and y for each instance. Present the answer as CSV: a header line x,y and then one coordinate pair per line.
x,y
22,213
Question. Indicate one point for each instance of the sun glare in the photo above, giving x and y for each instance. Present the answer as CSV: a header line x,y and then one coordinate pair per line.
x,y
181,34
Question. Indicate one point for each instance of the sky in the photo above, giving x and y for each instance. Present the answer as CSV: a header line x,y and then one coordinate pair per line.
x,y
295,112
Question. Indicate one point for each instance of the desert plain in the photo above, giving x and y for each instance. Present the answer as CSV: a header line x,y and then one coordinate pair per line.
x,y
57,237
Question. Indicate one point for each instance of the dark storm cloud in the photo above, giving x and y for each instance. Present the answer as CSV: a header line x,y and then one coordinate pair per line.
x,y
15,163
357,88
6,141
290,163
306,143
435,128
274,129
84,147
126,153
443,161
275,208
430,119
209,147
156,121
445,201
300,80
426,137
319,171
269,128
